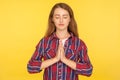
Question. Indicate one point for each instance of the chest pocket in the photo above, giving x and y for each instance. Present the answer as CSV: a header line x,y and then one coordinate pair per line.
x,y
71,53
50,53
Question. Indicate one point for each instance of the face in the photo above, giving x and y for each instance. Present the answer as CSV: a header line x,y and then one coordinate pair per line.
x,y
61,19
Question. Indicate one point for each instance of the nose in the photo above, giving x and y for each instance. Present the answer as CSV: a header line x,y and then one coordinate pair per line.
x,y
61,20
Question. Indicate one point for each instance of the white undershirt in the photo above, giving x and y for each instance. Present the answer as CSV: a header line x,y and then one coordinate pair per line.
x,y
63,41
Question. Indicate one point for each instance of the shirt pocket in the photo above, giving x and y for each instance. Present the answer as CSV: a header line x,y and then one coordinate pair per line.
x,y
50,53
71,54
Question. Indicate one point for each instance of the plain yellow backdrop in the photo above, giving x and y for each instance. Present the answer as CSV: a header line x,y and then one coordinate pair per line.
x,y
24,22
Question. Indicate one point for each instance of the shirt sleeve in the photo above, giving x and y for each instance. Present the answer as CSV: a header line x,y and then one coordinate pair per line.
x,y
34,63
83,65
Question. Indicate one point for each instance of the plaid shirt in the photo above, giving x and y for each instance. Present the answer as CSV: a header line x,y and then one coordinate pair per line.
x,y
75,49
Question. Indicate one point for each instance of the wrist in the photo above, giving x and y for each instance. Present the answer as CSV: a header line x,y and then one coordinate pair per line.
x,y
64,59
55,59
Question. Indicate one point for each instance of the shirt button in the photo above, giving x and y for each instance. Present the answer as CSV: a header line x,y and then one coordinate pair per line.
x,y
59,72
60,63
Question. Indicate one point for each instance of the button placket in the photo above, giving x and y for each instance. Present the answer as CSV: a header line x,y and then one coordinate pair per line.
x,y
59,71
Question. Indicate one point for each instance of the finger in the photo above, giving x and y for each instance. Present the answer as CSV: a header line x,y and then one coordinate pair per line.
x,y
60,43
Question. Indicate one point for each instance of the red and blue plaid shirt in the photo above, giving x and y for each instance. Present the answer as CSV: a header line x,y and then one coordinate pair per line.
x,y
75,49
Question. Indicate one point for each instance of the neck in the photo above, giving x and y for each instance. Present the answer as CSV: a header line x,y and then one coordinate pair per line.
x,y
62,34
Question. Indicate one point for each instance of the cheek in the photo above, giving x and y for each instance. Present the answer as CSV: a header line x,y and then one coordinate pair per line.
x,y
67,22
55,21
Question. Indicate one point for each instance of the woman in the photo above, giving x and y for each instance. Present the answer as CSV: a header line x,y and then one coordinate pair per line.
x,y
65,55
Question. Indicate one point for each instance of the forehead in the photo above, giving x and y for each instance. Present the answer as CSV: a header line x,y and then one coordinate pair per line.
x,y
60,11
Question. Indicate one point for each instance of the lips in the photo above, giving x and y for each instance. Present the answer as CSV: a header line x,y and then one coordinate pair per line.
x,y
61,24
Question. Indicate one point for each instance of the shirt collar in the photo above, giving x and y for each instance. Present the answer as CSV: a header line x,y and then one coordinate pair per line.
x,y
54,36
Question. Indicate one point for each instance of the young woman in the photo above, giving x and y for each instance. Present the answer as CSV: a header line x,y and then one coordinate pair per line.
x,y
61,53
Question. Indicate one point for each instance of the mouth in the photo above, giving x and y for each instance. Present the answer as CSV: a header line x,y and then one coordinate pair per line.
x,y
61,24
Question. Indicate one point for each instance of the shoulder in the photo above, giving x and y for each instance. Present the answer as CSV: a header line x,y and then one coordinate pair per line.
x,y
44,40
81,43
78,40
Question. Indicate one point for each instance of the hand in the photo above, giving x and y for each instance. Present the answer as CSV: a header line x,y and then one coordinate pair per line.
x,y
61,56
62,53
58,54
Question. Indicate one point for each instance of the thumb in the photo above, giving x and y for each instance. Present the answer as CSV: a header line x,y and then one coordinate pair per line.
x,y
60,42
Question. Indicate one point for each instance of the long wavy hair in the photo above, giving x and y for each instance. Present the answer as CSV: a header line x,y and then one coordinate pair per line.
x,y
72,27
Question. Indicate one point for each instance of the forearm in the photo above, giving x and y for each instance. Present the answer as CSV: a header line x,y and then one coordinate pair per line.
x,y
84,68
69,63
48,63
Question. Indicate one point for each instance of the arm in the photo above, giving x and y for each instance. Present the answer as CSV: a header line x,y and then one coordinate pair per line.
x,y
48,63
83,65
36,64
70,63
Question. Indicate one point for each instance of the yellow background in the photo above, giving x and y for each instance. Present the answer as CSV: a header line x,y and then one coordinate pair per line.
x,y
23,23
